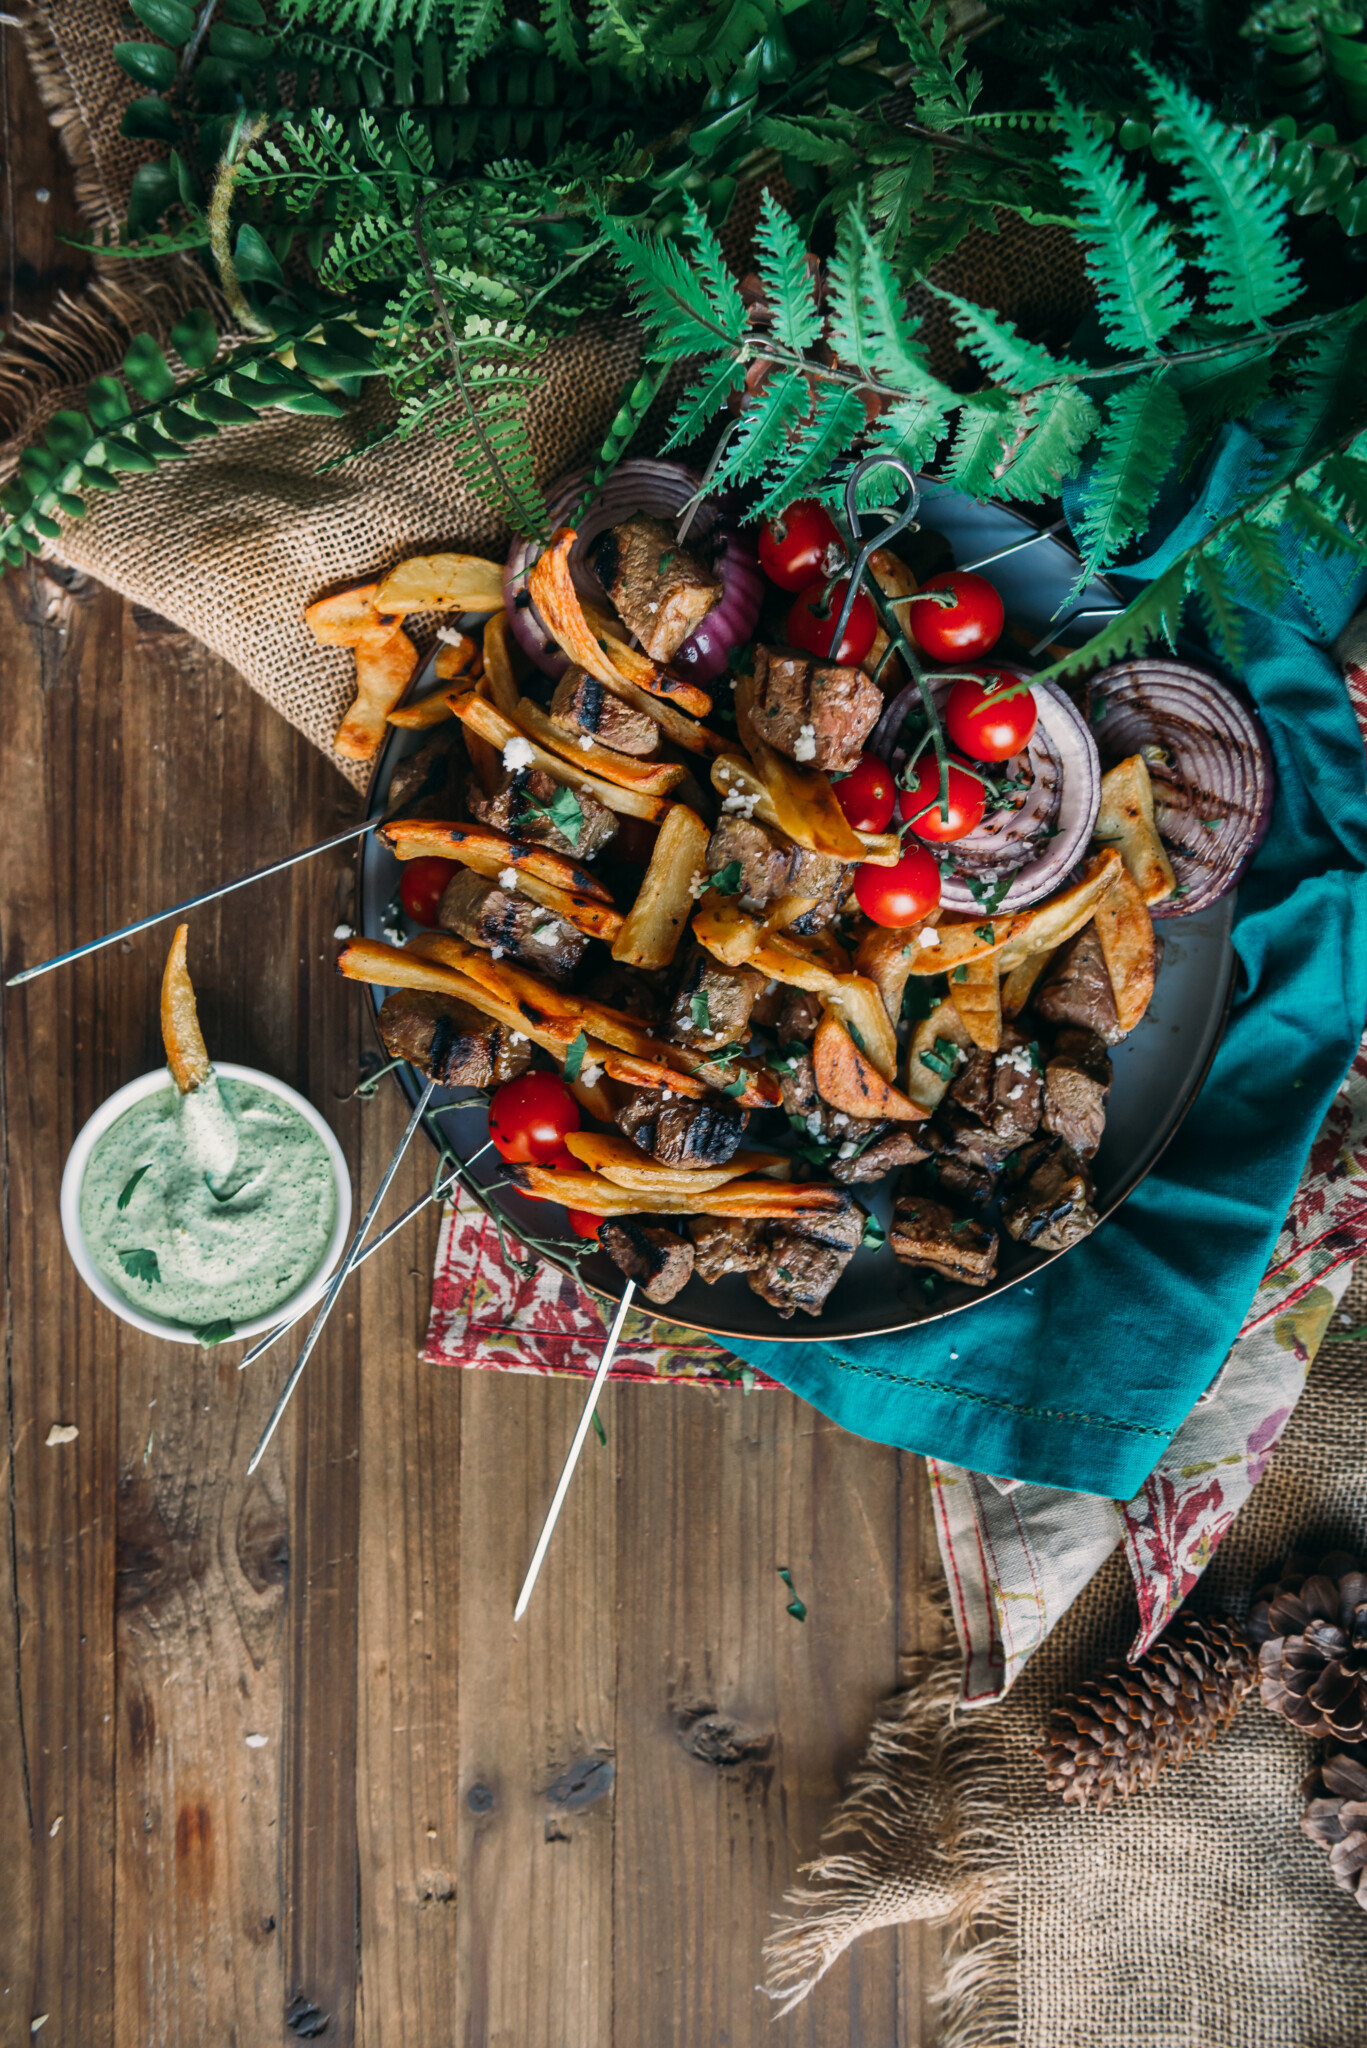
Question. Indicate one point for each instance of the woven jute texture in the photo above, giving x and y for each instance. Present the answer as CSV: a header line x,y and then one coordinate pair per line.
x,y
1195,1916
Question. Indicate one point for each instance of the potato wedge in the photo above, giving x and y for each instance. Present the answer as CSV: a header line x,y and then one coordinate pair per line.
x,y
752,1198
385,661
370,960
422,716
637,668
600,1096
587,913
486,760
1125,819
442,583
621,1162
849,1081
489,723
733,775
975,991
1017,986
859,1007
488,851
600,653
460,656
885,956
758,1088
674,725
186,1054
961,939
931,1065
501,656
656,778
340,620
1125,930
659,917
803,800
517,987
643,1073
1059,917
735,939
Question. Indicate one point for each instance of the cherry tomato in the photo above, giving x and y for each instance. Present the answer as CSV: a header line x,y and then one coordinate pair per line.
x,y
990,732
867,794
812,629
965,630
530,1118
583,1223
799,545
422,886
900,895
967,801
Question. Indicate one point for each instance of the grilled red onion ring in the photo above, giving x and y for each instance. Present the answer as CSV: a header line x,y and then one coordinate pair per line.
x,y
1209,763
660,489
1044,836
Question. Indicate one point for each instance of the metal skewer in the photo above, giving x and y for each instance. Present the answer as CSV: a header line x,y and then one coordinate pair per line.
x,y
339,1280
1042,533
558,1499
142,924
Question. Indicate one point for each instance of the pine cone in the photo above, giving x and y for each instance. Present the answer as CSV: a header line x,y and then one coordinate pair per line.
x,y
1336,1818
1118,1731
1311,1627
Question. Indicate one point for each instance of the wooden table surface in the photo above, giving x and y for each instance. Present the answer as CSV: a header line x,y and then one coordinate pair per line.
x,y
275,1764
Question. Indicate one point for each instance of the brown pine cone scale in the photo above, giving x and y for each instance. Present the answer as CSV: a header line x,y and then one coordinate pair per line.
x,y
1311,1628
1121,1729
1336,1818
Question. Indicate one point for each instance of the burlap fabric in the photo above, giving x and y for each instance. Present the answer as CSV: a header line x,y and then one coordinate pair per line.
x,y
1196,1916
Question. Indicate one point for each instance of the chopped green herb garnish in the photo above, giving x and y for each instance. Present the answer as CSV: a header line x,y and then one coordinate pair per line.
x,y
797,1608
574,1058
1036,1056
126,1191
141,1265
563,811
784,1274
599,1430
215,1333
959,974
735,1088
922,995
964,1223
666,559
986,933
874,1234
944,1060
989,898
727,882
700,1010
857,1035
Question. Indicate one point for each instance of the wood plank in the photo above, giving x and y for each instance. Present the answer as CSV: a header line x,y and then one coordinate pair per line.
x,y
737,1723
538,1728
37,233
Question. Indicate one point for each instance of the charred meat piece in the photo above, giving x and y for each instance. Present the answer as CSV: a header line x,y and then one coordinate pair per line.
x,y
769,1006
1077,1081
430,782
636,990
898,1147
521,805
993,1104
661,590
449,1041
962,1179
651,1254
712,1004
827,882
679,1130
928,1233
841,1228
723,1245
582,706
1076,988
766,858
507,922
797,1274
1052,1207
799,1017
815,712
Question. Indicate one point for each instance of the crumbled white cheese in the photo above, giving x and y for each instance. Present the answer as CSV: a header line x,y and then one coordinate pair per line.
x,y
451,636
590,1073
507,879
1014,1094
517,1037
840,1119
741,802
1018,1057
517,753
847,1150
667,1094
495,952
814,1124
804,746
930,937
585,741
727,1264
395,934
343,931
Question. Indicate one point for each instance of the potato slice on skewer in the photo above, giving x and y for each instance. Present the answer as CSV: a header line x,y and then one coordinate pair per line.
x,y
186,1053
489,852
383,966
756,1199
656,778
557,600
490,724
621,1162
658,918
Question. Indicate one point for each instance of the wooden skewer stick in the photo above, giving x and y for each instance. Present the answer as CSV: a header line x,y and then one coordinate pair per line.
x,y
339,1280
558,1500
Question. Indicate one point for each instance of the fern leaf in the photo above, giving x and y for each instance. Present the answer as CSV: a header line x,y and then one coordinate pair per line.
x,y
1329,396
1344,480
1150,619
1317,528
1253,556
1139,438
764,428
837,419
1132,259
1009,359
685,318
886,331
1219,606
786,277
703,400
911,432
1061,424
558,20
986,426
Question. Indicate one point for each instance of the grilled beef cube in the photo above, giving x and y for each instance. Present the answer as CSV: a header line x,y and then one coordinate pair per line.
x,y
510,923
898,1147
993,1104
661,590
712,1004
636,990
827,881
769,1006
513,809
1077,1081
430,782
449,1041
657,1258
678,1130
815,712
582,706
766,857
803,1260
1076,989
799,1017
1052,1207
961,1178
723,1245
927,1233
842,1229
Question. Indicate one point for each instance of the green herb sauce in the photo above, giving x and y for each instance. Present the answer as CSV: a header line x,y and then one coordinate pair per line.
x,y
184,1240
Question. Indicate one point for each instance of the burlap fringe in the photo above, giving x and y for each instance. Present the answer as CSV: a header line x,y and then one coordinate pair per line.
x,y
928,1811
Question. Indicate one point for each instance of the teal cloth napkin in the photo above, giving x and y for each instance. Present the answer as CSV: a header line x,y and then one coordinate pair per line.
x,y
1082,1382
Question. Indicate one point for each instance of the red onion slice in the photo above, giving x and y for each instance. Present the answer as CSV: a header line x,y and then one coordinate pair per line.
x,y
661,489
1061,800
1209,763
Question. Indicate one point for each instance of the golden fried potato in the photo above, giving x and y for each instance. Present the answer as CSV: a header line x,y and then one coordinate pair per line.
x,y
656,778
1017,986
859,1006
423,716
442,583
658,918
849,1081
1125,930
885,956
186,1054
501,659
975,991
931,1062
756,1199
1125,818
340,620
626,1166
804,802
488,851
384,966
557,600
385,661
1059,917
490,724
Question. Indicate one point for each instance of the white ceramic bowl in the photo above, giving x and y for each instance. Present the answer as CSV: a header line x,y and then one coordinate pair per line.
x,y
109,1113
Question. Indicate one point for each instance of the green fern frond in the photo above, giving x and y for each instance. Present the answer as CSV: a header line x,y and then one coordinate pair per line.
x,y
1009,359
703,400
762,433
1255,561
1132,258
560,23
836,422
1343,479
786,277
987,424
1316,527
872,328
1151,619
1139,438
910,432
1239,214
1328,397
1063,421
1219,607
684,317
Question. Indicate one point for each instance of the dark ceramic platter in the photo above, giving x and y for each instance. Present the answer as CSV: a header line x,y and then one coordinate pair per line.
x,y
1158,1069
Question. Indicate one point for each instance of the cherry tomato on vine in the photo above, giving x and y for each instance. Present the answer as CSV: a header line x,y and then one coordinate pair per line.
x,y
530,1119
967,801
965,630
423,884
811,624
901,895
986,731
799,545
583,1222
867,794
